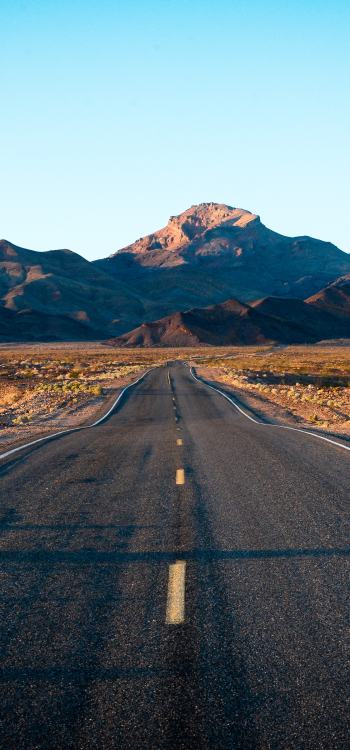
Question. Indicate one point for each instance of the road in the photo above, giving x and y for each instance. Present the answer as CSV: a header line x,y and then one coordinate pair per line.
x,y
176,577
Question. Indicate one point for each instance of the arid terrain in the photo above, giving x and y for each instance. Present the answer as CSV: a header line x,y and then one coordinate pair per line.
x,y
45,387
308,386
209,254
48,387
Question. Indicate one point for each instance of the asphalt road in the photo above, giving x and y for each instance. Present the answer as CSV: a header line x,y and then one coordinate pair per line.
x,y
147,607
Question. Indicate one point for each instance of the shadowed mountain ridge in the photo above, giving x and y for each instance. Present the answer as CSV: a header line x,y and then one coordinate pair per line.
x,y
207,255
269,320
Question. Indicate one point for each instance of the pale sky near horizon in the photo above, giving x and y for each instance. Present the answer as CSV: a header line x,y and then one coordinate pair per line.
x,y
116,115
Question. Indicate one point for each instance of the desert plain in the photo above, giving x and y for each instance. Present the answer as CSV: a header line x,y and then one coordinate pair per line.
x,y
47,387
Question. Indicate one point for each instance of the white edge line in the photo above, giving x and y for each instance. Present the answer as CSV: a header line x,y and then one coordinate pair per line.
x,y
263,424
74,429
225,396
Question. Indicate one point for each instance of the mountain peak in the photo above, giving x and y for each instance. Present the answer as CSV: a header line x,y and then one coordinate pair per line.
x,y
208,215
165,246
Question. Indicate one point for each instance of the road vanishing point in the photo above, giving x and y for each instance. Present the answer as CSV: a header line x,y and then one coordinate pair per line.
x,y
177,577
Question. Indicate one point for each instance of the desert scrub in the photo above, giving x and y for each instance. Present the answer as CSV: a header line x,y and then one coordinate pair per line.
x,y
21,419
70,387
118,372
74,374
9,395
314,397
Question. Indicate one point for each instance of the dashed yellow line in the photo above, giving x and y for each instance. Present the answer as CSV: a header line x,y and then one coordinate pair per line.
x,y
175,607
179,441
180,476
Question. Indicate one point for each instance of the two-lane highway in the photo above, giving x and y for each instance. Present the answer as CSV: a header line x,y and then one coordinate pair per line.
x,y
175,577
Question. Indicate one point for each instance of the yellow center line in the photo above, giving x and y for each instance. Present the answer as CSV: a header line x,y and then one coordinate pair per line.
x,y
179,441
180,476
175,606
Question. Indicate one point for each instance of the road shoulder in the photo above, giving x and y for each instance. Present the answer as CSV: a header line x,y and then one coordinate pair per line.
x,y
90,411
264,410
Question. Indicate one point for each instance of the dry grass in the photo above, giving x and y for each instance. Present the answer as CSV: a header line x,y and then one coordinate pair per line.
x,y
9,395
40,384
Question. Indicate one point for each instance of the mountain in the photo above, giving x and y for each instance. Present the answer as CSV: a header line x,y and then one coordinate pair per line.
x,y
270,320
207,255
186,237
58,294
29,325
313,320
213,252
335,298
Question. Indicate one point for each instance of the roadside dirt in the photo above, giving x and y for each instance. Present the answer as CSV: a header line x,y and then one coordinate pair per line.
x,y
311,406
49,415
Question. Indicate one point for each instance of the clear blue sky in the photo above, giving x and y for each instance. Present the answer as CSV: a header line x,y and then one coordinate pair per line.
x,y
115,115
